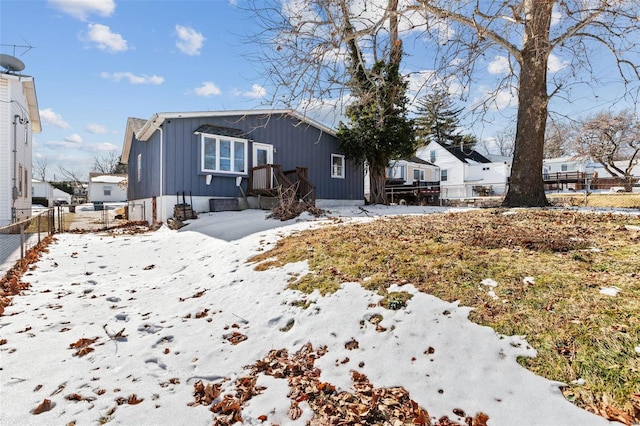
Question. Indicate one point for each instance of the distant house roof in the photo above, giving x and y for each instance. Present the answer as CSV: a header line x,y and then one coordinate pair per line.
x,y
465,156
418,160
143,129
102,178
220,130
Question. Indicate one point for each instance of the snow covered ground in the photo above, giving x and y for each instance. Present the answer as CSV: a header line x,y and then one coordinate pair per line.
x,y
163,306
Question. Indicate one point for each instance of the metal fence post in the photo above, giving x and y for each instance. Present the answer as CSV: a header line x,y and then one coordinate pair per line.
x,y
22,242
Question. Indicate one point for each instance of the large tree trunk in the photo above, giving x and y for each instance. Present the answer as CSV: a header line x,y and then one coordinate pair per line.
x,y
377,182
526,186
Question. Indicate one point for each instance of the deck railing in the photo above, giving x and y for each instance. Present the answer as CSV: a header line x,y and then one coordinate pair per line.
x,y
267,179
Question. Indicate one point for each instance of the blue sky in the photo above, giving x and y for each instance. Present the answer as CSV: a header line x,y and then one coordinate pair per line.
x,y
96,65
97,62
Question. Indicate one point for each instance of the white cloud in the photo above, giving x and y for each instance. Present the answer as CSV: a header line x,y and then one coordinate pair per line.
x,y
207,89
105,146
499,65
105,39
133,78
48,116
556,64
96,129
74,138
81,9
190,41
256,92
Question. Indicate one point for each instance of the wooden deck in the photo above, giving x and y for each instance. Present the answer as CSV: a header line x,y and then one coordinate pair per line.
x,y
270,180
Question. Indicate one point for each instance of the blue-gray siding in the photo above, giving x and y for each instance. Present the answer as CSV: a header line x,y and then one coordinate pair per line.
x,y
295,144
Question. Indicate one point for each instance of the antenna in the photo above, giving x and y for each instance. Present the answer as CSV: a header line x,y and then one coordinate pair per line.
x,y
11,63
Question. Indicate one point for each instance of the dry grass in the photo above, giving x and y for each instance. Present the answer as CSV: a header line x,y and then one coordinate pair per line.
x,y
579,332
612,200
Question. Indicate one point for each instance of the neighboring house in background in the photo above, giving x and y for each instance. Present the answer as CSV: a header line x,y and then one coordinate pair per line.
x,y
47,195
567,173
19,119
411,180
413,169
217,158
107,188
466,173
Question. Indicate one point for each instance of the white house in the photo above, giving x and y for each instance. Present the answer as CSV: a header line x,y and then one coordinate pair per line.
x,y
46,194
19,119
573,164
413,169
466,173
107,188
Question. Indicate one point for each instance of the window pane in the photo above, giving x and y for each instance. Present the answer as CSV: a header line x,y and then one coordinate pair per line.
x,y
238,157
209,153
261,157
225,155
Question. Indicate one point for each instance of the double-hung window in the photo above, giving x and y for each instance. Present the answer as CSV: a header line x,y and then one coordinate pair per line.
x,y
223,154
418,174
337,166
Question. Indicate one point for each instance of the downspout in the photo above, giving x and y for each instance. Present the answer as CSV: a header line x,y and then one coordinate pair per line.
x,y
16,119
162,206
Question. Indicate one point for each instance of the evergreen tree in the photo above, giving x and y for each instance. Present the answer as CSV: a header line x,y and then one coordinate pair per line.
x,y
378,130
437,120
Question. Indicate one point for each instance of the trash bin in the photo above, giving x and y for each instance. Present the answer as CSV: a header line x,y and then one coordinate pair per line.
x,y
98,205
72,208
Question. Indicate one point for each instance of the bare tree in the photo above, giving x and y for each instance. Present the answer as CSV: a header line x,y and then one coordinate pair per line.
x,y
106,162
613,140
70,175
560,135
501,144
334,52
523,30
40,169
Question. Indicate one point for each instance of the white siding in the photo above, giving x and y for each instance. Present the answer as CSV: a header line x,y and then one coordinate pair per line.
x,y
14,103
6,166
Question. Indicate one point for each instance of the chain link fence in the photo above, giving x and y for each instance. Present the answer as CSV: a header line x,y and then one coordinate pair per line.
x,y
16,239
598,192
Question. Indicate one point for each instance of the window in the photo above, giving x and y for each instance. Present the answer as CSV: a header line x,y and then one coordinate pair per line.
x,y
563,167
337,166
19,187
139,167
223,154
106,191
443,175
418,174
432,156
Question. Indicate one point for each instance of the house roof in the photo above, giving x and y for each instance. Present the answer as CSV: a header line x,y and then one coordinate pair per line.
x,y
221,131
418,160
143,129
465,156
29,88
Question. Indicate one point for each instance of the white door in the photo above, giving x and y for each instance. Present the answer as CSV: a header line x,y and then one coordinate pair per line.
x,y
262,178
262,154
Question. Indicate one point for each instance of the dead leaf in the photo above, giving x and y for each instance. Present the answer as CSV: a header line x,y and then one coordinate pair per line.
x,y
133,400
45,405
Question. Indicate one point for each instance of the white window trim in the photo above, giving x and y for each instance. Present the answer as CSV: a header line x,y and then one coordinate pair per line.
x,y
333,174
217,170
139,167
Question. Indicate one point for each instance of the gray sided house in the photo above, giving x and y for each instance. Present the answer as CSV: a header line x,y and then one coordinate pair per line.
x,y
226,160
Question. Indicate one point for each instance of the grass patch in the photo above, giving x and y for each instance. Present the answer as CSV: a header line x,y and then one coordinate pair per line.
x,y
549,267
629,200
